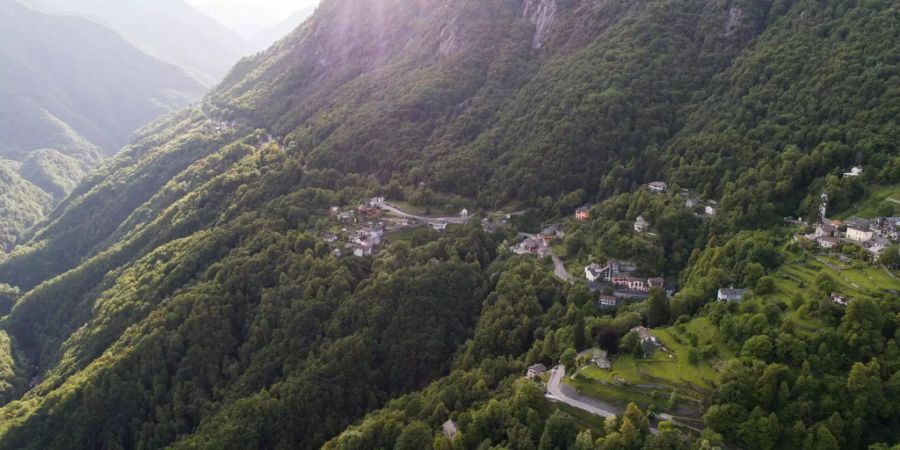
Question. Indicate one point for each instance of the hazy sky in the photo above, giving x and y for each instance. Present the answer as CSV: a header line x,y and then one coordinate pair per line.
x,y
251,16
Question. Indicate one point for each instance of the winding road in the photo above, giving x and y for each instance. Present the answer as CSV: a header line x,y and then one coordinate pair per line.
x,y
557,391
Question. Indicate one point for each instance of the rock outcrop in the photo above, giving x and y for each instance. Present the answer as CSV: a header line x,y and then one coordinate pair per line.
x,y
542,14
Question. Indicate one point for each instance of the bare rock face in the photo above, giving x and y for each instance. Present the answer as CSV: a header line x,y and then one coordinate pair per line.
x,y
450,43
735,17
542,14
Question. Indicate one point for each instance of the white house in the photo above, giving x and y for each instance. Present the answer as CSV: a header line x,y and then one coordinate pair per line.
x,y
464,213
536,371
439,226
731,294
608,301
658,187
641,225
859,234
709,211
854,172
593,272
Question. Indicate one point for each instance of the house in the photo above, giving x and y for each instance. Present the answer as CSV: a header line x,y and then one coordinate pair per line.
x,y
731,294
859,234
375,202
329,238
601,359
531,246
450,429
583,213
439,226
552,233
656,283
887,227
608,301
464,213
362,250
826,229
658,187
337,253
854,172
641,225
335,210
593,272
346,216
877,245
839,299
649,343
691,203
827,242
709,211
536,371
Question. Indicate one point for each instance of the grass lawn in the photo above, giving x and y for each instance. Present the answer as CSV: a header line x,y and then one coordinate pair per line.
x,y
620,395
651,381
421,210
853,279
878,198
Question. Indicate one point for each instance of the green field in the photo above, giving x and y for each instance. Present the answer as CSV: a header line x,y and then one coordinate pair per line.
x,y
854,279
651,381
881,197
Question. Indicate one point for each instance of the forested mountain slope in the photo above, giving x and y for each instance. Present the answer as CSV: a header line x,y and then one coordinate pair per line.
x,y
182,296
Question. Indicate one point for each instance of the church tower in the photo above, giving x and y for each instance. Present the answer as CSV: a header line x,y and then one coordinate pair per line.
x,y
823,208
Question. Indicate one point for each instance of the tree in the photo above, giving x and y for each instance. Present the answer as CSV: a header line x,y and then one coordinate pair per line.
x,y
765,286
584,441
416,436
579,333
658,312
568,358
559,432
759,347
608,339
631,345
752,273
890,257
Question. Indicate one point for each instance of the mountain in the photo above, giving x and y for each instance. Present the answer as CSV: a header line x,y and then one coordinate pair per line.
x,y
186,294
266,37
171,30
73,92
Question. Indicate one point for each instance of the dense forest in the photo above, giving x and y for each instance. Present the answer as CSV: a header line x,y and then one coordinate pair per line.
x,y
182,294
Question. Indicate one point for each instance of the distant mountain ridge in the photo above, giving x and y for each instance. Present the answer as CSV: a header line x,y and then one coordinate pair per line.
x,y
74,91
171,30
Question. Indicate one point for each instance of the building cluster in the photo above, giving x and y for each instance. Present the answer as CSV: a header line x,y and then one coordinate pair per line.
x,y
367,240
874,235
619,273
693,202
532,245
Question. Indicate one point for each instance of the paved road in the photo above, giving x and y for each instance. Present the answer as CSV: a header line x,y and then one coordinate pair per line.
x,y
559,268
454,220
561,393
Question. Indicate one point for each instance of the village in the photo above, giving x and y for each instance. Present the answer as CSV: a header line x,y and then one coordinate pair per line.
x,y
363,229
872,235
